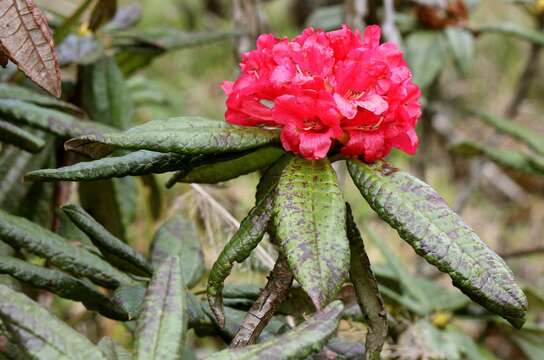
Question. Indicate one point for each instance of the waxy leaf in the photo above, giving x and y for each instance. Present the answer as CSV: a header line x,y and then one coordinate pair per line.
x,y
40,334
112,350
130,299
179,135
26,40
114,250
179,237
22,233
310,224
305,339
133,164
239,247
230,169
53,121
162,324
14,135
17,92
62,284
425,221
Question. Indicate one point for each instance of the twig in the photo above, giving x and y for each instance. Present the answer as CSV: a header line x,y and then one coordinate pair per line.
x,y
262,254
523,252
265,306
390,30
249,19
356,11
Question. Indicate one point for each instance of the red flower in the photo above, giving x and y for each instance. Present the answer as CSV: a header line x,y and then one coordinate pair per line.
x,y
327,88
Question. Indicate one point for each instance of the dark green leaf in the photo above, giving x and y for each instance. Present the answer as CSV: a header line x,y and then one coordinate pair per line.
x,y
53,121
181,135
130,299
239,247
425,221
305,339
230,169
162,324
105,95
366,289
133,164
461,43
14,135
310,224
16,92
114,250
40,334
63,285
22,233
427,55
179,237
523,33
103,11
112,350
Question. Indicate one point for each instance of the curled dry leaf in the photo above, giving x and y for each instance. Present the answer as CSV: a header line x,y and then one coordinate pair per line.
x,y
25,38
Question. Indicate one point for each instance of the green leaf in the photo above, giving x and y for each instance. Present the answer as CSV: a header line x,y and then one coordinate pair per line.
x,y
161,326
427,55
114,250
327,17
530,344
14,135
13,91
180,135
40,334
133,164
512,159
532,138
63,285
366,290
61,124
22,233
130,299
112,350
62,31
425,221
239,247
230,169
104,93
305,339
461,43
510,29
179,237
111,202
310,224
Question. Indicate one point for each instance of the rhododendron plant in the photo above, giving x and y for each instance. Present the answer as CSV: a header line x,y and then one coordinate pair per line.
x,y
328,90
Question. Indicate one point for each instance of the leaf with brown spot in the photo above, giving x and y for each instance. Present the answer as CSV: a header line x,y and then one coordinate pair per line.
x,y
25,38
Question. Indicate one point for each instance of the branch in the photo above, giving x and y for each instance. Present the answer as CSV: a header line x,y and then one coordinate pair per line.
x,y
249,20
265,306
390,30
356,11
523,252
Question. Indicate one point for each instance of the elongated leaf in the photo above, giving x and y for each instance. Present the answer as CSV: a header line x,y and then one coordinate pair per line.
x,y
11,134
426,54
129,298
63,285
113,249
104,93
366,289
509,126
461,43
179,237
21,233
298,343
39,333
230,169
510,29
162,324
26,40
512,159
103,11
239,247
53,121
133,164
13,91
112,350
310,224
10,348
424,220
176,135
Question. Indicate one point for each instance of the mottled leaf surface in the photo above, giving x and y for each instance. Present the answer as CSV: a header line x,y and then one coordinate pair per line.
x,y
161,326
310,224
22,233
17,92
176,135
136,163
130,299
305,339
39,333
425,221
14,135
26,39
179,237
112,350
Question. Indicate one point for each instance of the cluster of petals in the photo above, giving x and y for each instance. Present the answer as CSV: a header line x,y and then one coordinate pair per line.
x,y
328,90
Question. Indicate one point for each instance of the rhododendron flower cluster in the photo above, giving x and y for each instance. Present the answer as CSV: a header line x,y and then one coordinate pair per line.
x,y
328,90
